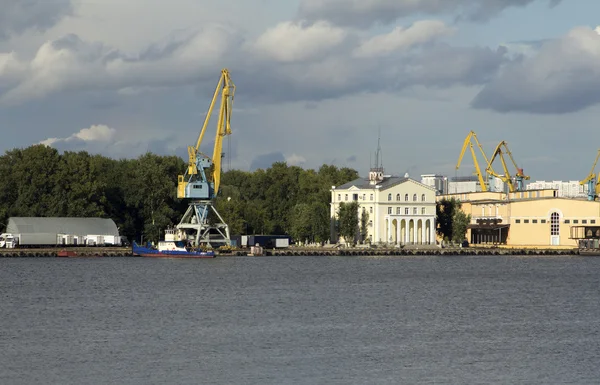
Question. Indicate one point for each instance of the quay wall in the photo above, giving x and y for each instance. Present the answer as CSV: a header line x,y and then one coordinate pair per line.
x,y
52,252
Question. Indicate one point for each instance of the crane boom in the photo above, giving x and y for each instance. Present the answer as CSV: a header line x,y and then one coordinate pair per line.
x,y
194,183
507,178
471,136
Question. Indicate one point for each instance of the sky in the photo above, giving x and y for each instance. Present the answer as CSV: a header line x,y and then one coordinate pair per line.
x,y
317,81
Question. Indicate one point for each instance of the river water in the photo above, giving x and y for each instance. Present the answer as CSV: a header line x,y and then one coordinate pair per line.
x,y
300,320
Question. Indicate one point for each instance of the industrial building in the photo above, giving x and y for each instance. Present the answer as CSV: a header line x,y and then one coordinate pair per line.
x,y
566,189
44,231
537,218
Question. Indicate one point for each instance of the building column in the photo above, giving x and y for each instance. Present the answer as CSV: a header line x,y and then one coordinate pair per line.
x,y
423,237
407,231
431,231
398,226
389,229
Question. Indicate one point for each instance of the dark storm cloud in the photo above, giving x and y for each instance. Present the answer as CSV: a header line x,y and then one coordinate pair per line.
x,y
561,77
266,160
366,13
18,16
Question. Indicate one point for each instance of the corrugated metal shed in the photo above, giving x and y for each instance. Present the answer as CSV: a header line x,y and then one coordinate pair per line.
x,y
58,225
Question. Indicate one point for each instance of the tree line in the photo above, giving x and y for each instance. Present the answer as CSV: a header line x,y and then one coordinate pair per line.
x,y
140,195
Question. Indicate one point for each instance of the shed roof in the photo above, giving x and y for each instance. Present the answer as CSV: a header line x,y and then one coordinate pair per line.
x,y
61,225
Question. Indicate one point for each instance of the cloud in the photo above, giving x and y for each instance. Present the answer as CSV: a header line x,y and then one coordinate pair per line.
x,y
366,13
70,63
18,16
265,161
297,41
562,77
400,38
295,160
95,133
318,62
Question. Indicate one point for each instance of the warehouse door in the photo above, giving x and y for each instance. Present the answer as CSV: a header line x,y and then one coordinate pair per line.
x,y
555,229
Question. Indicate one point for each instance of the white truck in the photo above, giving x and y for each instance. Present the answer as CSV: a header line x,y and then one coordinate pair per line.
x,y
8,241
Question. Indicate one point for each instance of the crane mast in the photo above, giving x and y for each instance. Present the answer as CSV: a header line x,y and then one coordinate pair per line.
x,y
201,181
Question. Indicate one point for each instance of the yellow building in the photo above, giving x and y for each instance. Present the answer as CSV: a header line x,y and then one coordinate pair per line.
x,y
401,210
527,218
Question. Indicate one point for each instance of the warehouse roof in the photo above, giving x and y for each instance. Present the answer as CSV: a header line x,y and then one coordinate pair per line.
x,y
59,225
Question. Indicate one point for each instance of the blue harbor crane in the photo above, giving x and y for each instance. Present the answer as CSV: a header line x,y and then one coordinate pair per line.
x,y
200,182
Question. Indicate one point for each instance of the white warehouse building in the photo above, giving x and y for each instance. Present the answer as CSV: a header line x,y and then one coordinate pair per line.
x,y
67,231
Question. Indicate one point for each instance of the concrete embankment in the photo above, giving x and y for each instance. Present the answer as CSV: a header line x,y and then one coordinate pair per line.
x,y
411,252
72,251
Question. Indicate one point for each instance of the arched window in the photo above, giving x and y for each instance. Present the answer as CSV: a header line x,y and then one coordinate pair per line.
x,y
423,198
414,197
389,197
398,197
406,197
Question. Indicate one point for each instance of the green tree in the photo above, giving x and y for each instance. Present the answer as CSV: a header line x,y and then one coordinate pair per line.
x,y
364,223
445,210
348,221
460,223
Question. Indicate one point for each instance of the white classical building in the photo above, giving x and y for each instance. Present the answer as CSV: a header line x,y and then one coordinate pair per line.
x,y
401,210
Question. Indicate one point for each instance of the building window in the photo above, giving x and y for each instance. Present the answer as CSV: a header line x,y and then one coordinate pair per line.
x,y
389,197
415,211
592,221
526,221
423,198
517,221
406,212
389,210
584,221
371,197
346,197
364,197
370,223
567,221
422,210
398,210
371,210
575,221
354,197
414,197
543,221
339,197
534,221
398,197
555,224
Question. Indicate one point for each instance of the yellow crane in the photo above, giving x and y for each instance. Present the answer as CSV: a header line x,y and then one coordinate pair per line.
x,y
202,177
592,182
518,183
472,137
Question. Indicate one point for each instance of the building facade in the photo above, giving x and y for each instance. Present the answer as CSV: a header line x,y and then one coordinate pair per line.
x,y
401,210
538,218
566,189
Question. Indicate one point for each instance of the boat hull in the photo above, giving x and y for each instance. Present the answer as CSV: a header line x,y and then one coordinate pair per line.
x,y
153,253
